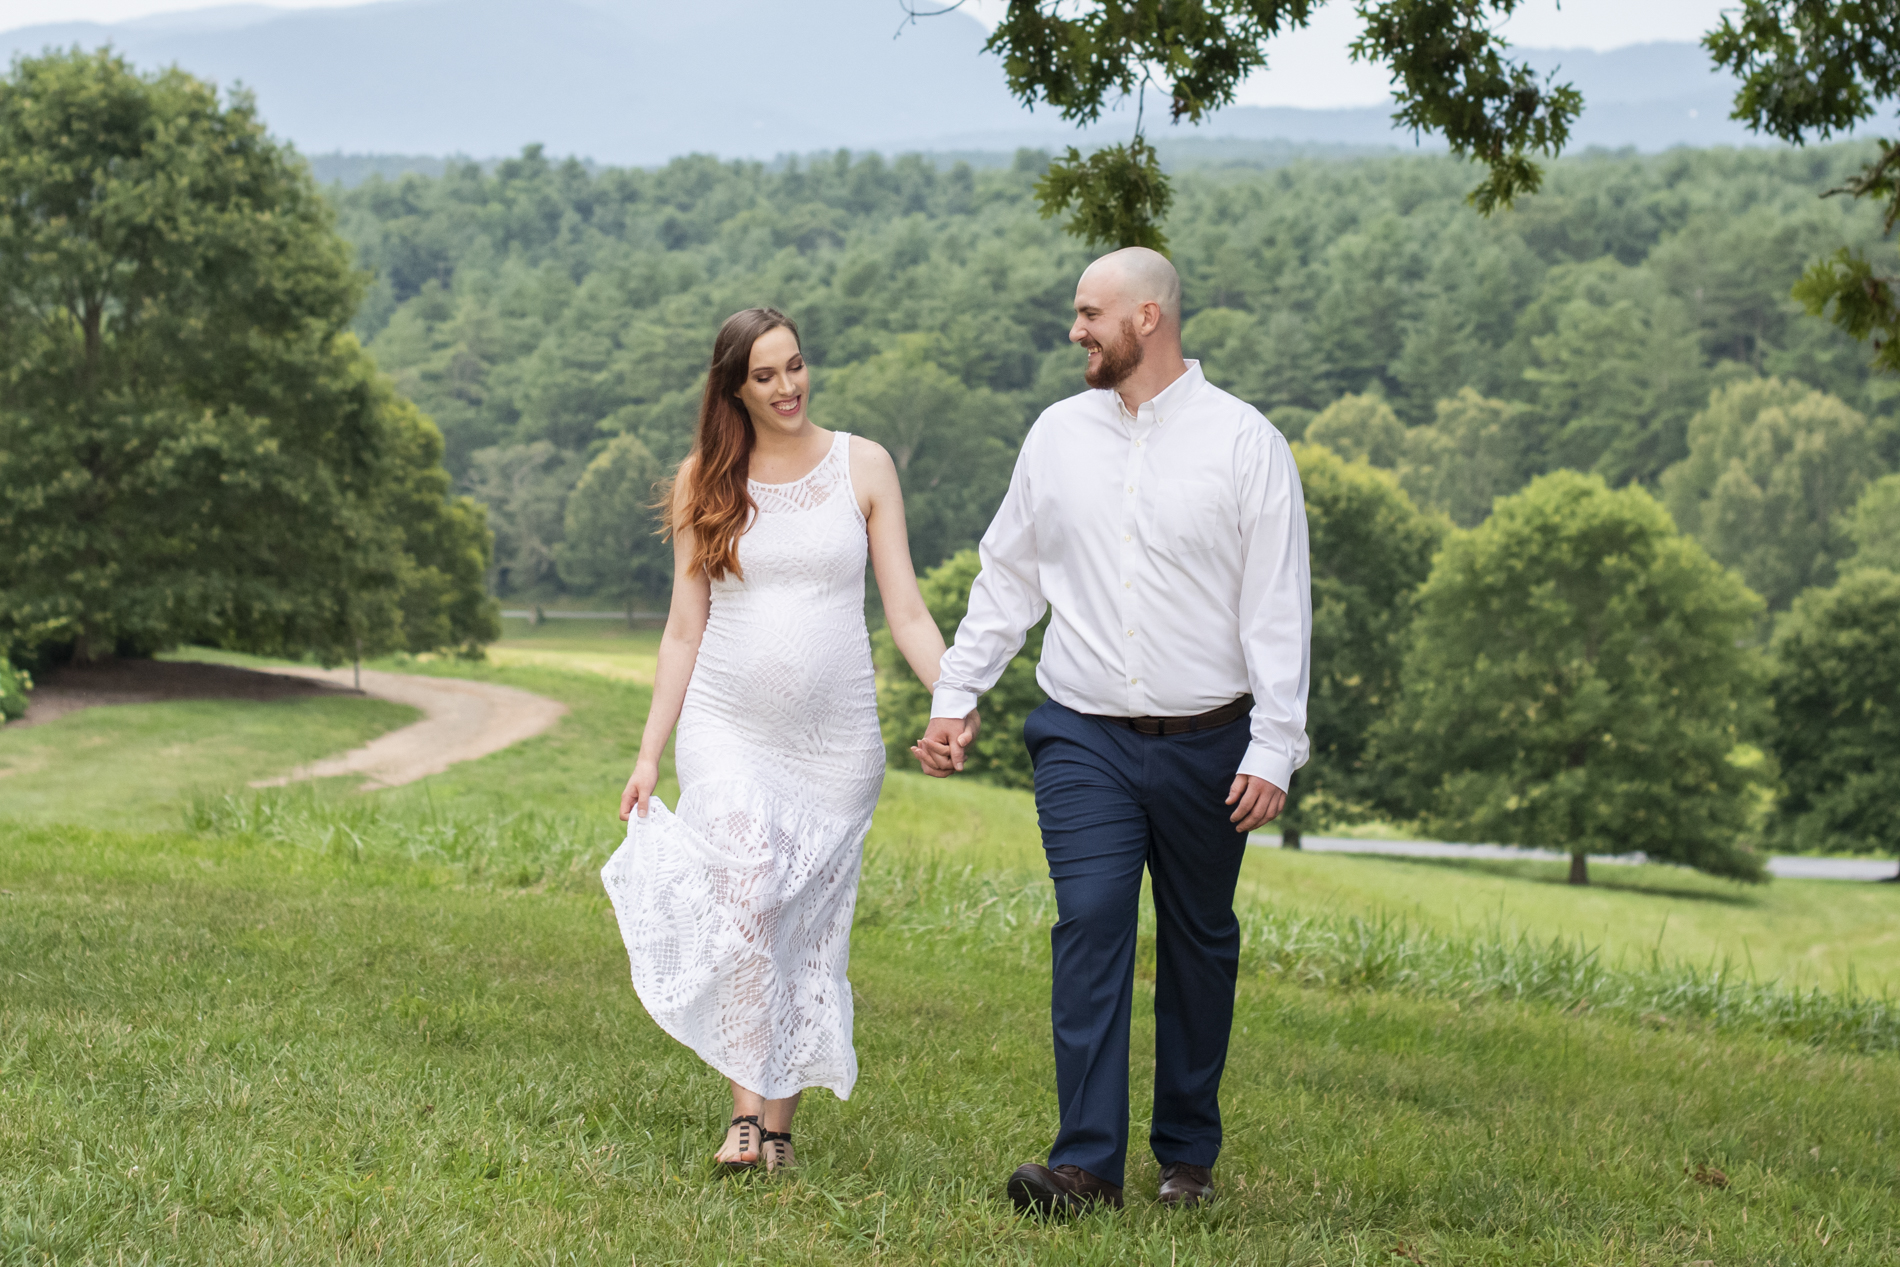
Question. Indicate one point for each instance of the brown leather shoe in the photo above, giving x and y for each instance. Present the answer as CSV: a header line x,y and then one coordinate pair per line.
x,y
1183,1185
1064,1190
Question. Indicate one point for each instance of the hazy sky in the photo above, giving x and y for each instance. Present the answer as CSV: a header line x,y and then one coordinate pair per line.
x,y
1309,68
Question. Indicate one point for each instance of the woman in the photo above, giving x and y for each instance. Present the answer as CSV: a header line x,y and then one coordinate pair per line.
x,y
736,908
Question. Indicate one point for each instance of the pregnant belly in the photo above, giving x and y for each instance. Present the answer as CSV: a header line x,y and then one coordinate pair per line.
x,y
822,689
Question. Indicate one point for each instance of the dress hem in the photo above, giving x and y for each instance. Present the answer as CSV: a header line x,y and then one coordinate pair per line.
x,y
842,1089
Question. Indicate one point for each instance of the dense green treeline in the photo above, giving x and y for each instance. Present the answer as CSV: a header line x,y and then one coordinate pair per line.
x,y
539,310
1548,454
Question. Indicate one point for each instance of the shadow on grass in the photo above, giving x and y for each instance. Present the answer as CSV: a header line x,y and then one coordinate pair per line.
x,y
1653,880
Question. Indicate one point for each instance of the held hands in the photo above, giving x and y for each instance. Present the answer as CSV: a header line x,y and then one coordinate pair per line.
x,y
941,750
1259,802
646,776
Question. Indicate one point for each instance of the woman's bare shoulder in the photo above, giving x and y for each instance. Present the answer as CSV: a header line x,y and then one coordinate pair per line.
x,y
870,457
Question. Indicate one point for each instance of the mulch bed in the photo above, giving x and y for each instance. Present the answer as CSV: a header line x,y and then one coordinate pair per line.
x,y
70,688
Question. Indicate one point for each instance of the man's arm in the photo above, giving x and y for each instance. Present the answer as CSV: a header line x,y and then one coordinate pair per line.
x,y
1276,625
1005,602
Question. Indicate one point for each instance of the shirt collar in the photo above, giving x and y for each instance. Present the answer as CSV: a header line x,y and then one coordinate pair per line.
x,y
1163,407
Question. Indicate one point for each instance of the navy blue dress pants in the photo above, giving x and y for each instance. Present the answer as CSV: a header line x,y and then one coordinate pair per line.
x,y
1112,802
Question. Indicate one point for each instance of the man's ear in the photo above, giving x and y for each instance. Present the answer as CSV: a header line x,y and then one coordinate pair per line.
x,y
1150,318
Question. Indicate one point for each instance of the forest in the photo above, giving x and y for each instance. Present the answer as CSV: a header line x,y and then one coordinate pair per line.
x,y
538,310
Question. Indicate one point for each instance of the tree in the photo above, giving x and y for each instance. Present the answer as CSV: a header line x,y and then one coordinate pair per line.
x,y
1579,677
1271,364
1837,716
447,550
1810,69
998,756
1448,69
192,445
1773,469
1472,454
953,445
1874,527
1617,371
612,545
525,487
1371,550
1360,429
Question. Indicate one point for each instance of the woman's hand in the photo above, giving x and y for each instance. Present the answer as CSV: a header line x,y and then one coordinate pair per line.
x,y
646,776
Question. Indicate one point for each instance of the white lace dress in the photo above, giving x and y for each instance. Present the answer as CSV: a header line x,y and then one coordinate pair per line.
x,y
736,908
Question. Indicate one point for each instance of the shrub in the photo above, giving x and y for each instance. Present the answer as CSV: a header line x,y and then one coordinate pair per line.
x,y
998,755
14,684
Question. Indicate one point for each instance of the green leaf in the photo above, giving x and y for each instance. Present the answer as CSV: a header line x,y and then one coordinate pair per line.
x,y
1119,195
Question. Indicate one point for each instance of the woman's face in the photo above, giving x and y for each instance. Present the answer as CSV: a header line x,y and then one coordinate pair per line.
x,y
777,384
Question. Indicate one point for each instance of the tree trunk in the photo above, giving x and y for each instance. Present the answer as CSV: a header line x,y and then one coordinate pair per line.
x,y
1579,868
1289,838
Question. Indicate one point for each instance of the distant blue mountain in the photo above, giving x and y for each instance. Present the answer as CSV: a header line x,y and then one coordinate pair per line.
x,y
642,81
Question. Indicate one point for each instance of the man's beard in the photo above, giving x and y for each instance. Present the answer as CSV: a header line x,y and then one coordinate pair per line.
x,y
1119,359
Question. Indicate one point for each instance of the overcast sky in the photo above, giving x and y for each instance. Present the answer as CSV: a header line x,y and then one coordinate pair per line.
x,y
1309,68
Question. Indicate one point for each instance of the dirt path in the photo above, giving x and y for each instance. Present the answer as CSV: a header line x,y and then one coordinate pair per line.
x,y
461,720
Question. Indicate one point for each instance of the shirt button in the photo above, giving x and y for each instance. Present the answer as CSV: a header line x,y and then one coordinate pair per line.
x,y
1137,444
1127,585
1131,633
1131,488
1127,537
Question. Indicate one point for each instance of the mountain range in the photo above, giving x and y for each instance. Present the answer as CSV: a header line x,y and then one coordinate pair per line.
x,y
642,81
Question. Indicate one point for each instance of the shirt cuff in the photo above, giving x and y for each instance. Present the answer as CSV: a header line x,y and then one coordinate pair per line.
x,y
950,702
1264,763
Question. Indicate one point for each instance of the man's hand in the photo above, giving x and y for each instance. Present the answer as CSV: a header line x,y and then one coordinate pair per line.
x,y
1256,802
940,751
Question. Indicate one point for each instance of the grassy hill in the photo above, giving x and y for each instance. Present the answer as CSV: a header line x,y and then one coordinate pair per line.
x,y
309,1024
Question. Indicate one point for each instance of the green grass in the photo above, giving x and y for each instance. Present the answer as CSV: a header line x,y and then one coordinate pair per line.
x,y
321,1026
213,1048
608,648
138,765
1808,932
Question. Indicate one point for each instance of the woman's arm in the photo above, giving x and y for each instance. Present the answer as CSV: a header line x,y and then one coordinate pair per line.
x,y
874,477
679,651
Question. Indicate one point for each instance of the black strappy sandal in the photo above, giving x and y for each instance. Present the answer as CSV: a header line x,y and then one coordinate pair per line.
x,y
776,1151
757,1146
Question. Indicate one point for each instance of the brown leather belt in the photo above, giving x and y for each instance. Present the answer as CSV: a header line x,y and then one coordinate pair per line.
x,y
1182,725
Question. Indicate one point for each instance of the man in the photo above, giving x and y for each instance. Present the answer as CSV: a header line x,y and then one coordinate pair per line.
x,y
1161,520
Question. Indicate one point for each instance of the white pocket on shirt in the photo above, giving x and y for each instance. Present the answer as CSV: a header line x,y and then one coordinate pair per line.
x,y
1189,516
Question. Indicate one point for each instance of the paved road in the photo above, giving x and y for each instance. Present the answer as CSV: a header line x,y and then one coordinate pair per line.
x,y
461,720
1793,868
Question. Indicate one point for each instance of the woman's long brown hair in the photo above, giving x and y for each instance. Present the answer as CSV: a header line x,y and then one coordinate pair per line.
x,y
718,507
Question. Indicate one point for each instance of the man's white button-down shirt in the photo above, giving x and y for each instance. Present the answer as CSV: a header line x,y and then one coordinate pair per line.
x,y
1170,545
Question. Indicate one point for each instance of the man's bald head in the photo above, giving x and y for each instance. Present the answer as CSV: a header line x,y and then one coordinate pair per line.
x,y
1140,276
1127,313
